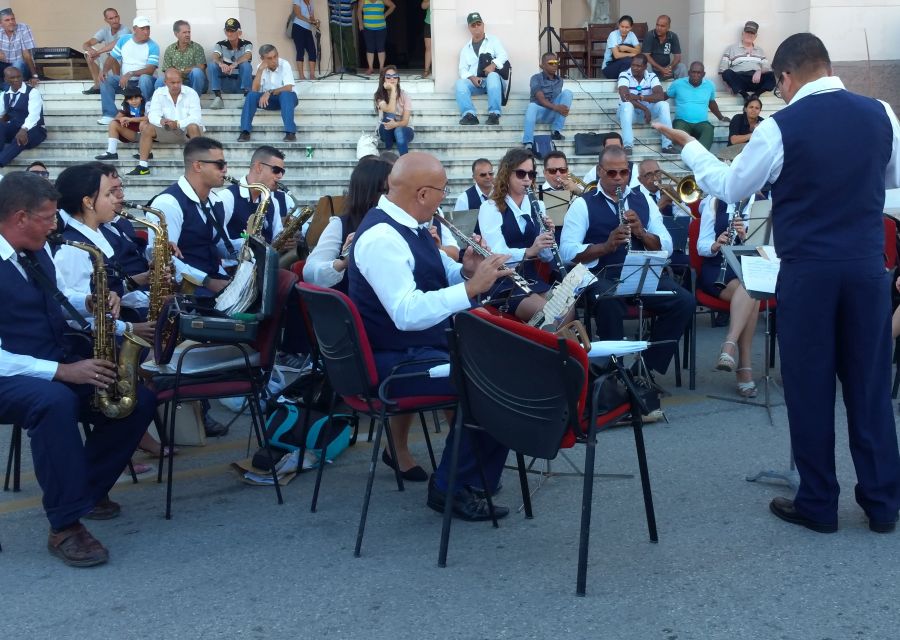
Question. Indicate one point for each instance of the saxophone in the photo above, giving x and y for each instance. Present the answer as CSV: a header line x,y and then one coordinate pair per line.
x,y
160,278
119,399
292,224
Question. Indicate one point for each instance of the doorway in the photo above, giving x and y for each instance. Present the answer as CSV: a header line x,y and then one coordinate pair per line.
x,y
405,46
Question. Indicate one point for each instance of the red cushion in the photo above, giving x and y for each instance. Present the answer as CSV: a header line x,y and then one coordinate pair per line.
x,y
890,242
207,390
408,404
716,304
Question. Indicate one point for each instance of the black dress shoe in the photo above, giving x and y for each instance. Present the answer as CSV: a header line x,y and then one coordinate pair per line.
x,y
481,493
214,428
107,156
413,474
137,156
556,135
466,506
882,527
784,509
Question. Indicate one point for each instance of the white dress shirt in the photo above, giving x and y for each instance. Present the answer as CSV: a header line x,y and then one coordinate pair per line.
x,y
319,269
16,364
577,224
707,236
184,110
35,105
282,76
763,157
468,59
227,198
462,202
384,259
174,221
490,222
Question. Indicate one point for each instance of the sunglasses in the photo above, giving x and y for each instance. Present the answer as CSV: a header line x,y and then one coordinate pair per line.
x,y
554,170
485,174
43,174
622,173
521,174
277,170
220,164
391,76
553,62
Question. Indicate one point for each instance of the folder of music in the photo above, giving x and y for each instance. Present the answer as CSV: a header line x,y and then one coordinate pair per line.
x,y
557,205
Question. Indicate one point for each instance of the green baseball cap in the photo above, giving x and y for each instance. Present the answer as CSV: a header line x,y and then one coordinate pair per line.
x,y
473,17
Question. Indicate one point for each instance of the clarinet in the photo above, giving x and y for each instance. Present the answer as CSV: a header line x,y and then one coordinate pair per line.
x,y
620,203
732,236
542,225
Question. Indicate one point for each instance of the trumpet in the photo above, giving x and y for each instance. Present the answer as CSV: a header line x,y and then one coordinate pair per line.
x,y
681,192
585,186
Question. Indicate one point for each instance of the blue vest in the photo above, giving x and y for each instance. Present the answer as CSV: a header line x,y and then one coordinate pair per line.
x,y
831,210
19,111
602,219
243,208
429,275
32,323
129,256
199,237
473,193
114,270
517,239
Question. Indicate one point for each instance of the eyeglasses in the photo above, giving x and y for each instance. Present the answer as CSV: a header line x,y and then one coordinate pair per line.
x,y
485,174
445,189
622,173
43,174
220,164
651,174
777,91
554,170
391,76
521,174
276,169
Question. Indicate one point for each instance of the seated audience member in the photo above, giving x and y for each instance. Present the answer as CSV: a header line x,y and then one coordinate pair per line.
x,y
743,124
273,89
481,61
132,61
127,124
737,350
474,196
640,90
693,97
507,226
744,66
39,168
16,43
174,118
21,117
394,108
372,21
302,35
187,57
48,388
663,50
239,202
406,291
594,236
96,50
621,46
231,66
549,101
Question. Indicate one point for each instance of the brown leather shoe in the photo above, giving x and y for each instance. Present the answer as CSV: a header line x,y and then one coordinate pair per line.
x,y
106,509
77,547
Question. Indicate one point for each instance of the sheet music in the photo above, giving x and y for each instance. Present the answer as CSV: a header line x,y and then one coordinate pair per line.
x,y
557,205
633,278
758,223
604,348
760,274
563,296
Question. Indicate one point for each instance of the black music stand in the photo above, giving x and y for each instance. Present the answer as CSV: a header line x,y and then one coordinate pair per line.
x,y
343,70
552,33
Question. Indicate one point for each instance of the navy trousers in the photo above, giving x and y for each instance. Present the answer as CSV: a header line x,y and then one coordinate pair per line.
x,y
73,476
834,319
493,454
10,148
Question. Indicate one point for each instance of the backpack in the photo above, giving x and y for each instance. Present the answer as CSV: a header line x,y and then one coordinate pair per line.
x,y
285,427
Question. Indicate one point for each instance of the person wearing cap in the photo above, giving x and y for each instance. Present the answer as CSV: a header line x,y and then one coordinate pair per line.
x,y
96,50
273,90
231,64
186,56
477,78
21,117
744,66
137,57
16,43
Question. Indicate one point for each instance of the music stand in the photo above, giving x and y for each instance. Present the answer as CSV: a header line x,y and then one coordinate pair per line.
x,y
332,9
552,33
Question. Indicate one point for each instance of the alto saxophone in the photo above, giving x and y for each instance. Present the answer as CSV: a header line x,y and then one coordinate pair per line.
x,y
160,276
119,399
292,225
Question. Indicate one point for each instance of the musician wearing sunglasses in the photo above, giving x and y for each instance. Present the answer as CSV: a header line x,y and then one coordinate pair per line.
x,y
267,169
556,173
550,103
474,196
594,236
507,226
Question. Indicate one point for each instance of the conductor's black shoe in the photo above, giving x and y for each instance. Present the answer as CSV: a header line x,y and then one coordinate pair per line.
x,y
493,118
784,509
466,506
107,156
556,135
214,428
882,527
469,118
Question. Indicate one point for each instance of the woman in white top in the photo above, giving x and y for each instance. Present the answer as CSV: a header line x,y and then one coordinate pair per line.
x,y
394,108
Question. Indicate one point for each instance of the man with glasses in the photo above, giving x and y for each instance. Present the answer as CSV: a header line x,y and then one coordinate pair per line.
x,y
549,101
471,198
828,186
594,236
273,90
266,168
649,174
744,66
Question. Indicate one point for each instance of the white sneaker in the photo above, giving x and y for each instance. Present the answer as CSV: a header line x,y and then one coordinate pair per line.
x,y
217,103
104,120
654,416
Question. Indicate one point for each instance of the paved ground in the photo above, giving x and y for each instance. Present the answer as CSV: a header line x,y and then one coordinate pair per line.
x,y
233,564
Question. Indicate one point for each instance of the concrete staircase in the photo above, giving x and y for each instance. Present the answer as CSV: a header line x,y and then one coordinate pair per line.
x,y
331,116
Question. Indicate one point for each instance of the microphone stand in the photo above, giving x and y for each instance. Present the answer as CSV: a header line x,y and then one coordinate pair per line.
x,y
333,13
551,33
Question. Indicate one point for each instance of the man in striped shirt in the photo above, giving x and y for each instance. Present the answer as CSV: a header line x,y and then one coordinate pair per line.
x,y
137,56
744,67
343,37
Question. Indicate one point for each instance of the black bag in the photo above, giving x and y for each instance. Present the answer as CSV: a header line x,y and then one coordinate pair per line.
x,y
486,59
588,144
542,145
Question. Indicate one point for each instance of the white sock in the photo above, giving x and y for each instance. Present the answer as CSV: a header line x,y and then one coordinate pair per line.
x,y
143,163
112,144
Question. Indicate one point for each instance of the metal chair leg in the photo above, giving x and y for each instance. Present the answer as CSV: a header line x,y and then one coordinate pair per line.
x,y
259,426
523,481
636,424
428,441
14,461
448,496
365,508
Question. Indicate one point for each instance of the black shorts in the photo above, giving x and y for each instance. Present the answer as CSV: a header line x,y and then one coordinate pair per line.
x,y
427,30
375,40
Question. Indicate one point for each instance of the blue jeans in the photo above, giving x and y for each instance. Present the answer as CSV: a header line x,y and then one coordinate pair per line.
x,y
401,135
492,86
110,88
536,113
285,102
196,80
659,112
235,83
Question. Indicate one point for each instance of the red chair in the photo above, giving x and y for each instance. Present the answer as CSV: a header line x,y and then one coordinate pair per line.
x,y
534,401
891,263
248,380
350,366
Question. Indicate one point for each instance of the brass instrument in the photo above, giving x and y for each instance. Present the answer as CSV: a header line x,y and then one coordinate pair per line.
x,y
160,276
620,205
585,186
681,192
517,279
732,235
543,228
119,399
292,223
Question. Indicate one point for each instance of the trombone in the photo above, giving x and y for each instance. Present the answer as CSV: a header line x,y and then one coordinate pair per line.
x,y
681,192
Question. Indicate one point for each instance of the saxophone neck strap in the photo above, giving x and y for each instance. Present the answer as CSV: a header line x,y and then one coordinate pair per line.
x,y
31,265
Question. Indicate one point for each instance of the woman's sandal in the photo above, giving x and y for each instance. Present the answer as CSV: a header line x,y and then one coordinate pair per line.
x,y
155,454
726,361
746,389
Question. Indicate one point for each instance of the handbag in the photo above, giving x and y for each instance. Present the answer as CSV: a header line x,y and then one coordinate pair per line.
x,y
588,144
542,145
367,145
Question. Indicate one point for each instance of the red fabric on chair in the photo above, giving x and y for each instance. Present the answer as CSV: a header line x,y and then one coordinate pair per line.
x,y
890,242
297,269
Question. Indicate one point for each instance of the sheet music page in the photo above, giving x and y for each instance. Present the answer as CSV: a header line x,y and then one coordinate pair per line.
x,y
768,252
633,270
759,274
